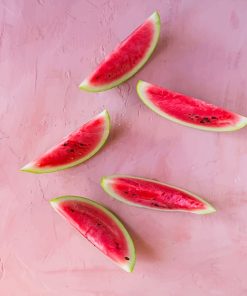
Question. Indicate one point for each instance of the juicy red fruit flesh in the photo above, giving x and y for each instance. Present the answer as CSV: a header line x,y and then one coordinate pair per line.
x,y
76,146
189,109
155,195
98,228
128,54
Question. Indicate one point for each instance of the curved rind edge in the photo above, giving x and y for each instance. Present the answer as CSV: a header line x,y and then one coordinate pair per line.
x,y
107,188
30,167
85,85
129,267
140,88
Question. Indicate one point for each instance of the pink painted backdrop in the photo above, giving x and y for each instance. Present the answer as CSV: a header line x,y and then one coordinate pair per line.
x,y
46,48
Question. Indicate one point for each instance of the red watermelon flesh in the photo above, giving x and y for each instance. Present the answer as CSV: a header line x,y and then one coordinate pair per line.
x,y
75,148
127,58
155,195
187,110
100,227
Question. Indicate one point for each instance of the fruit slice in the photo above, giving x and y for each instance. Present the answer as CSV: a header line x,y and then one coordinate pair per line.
x,y
187,110
154,195
127,58
99,226
75,148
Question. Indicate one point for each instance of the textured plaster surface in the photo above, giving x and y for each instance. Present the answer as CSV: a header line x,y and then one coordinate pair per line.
x,y
47,47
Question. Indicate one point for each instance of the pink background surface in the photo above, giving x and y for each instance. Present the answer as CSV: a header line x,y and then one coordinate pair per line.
x,y
46,49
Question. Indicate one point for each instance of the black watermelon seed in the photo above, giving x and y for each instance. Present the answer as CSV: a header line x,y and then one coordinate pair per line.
x,y
65,144
126,258
81,144
155,204
205,119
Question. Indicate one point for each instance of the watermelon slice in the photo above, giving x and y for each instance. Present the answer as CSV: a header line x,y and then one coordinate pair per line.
x,y
127,58
151,194
187,110
99,226
75,148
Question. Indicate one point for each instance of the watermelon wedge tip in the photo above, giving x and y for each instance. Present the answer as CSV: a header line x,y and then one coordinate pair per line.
x,y
150,194
100,227
127,58
187,110
74,149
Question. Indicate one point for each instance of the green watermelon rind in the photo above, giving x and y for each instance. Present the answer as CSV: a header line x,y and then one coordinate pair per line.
x,y
141,91
31,168
85,85
105,184
129,266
